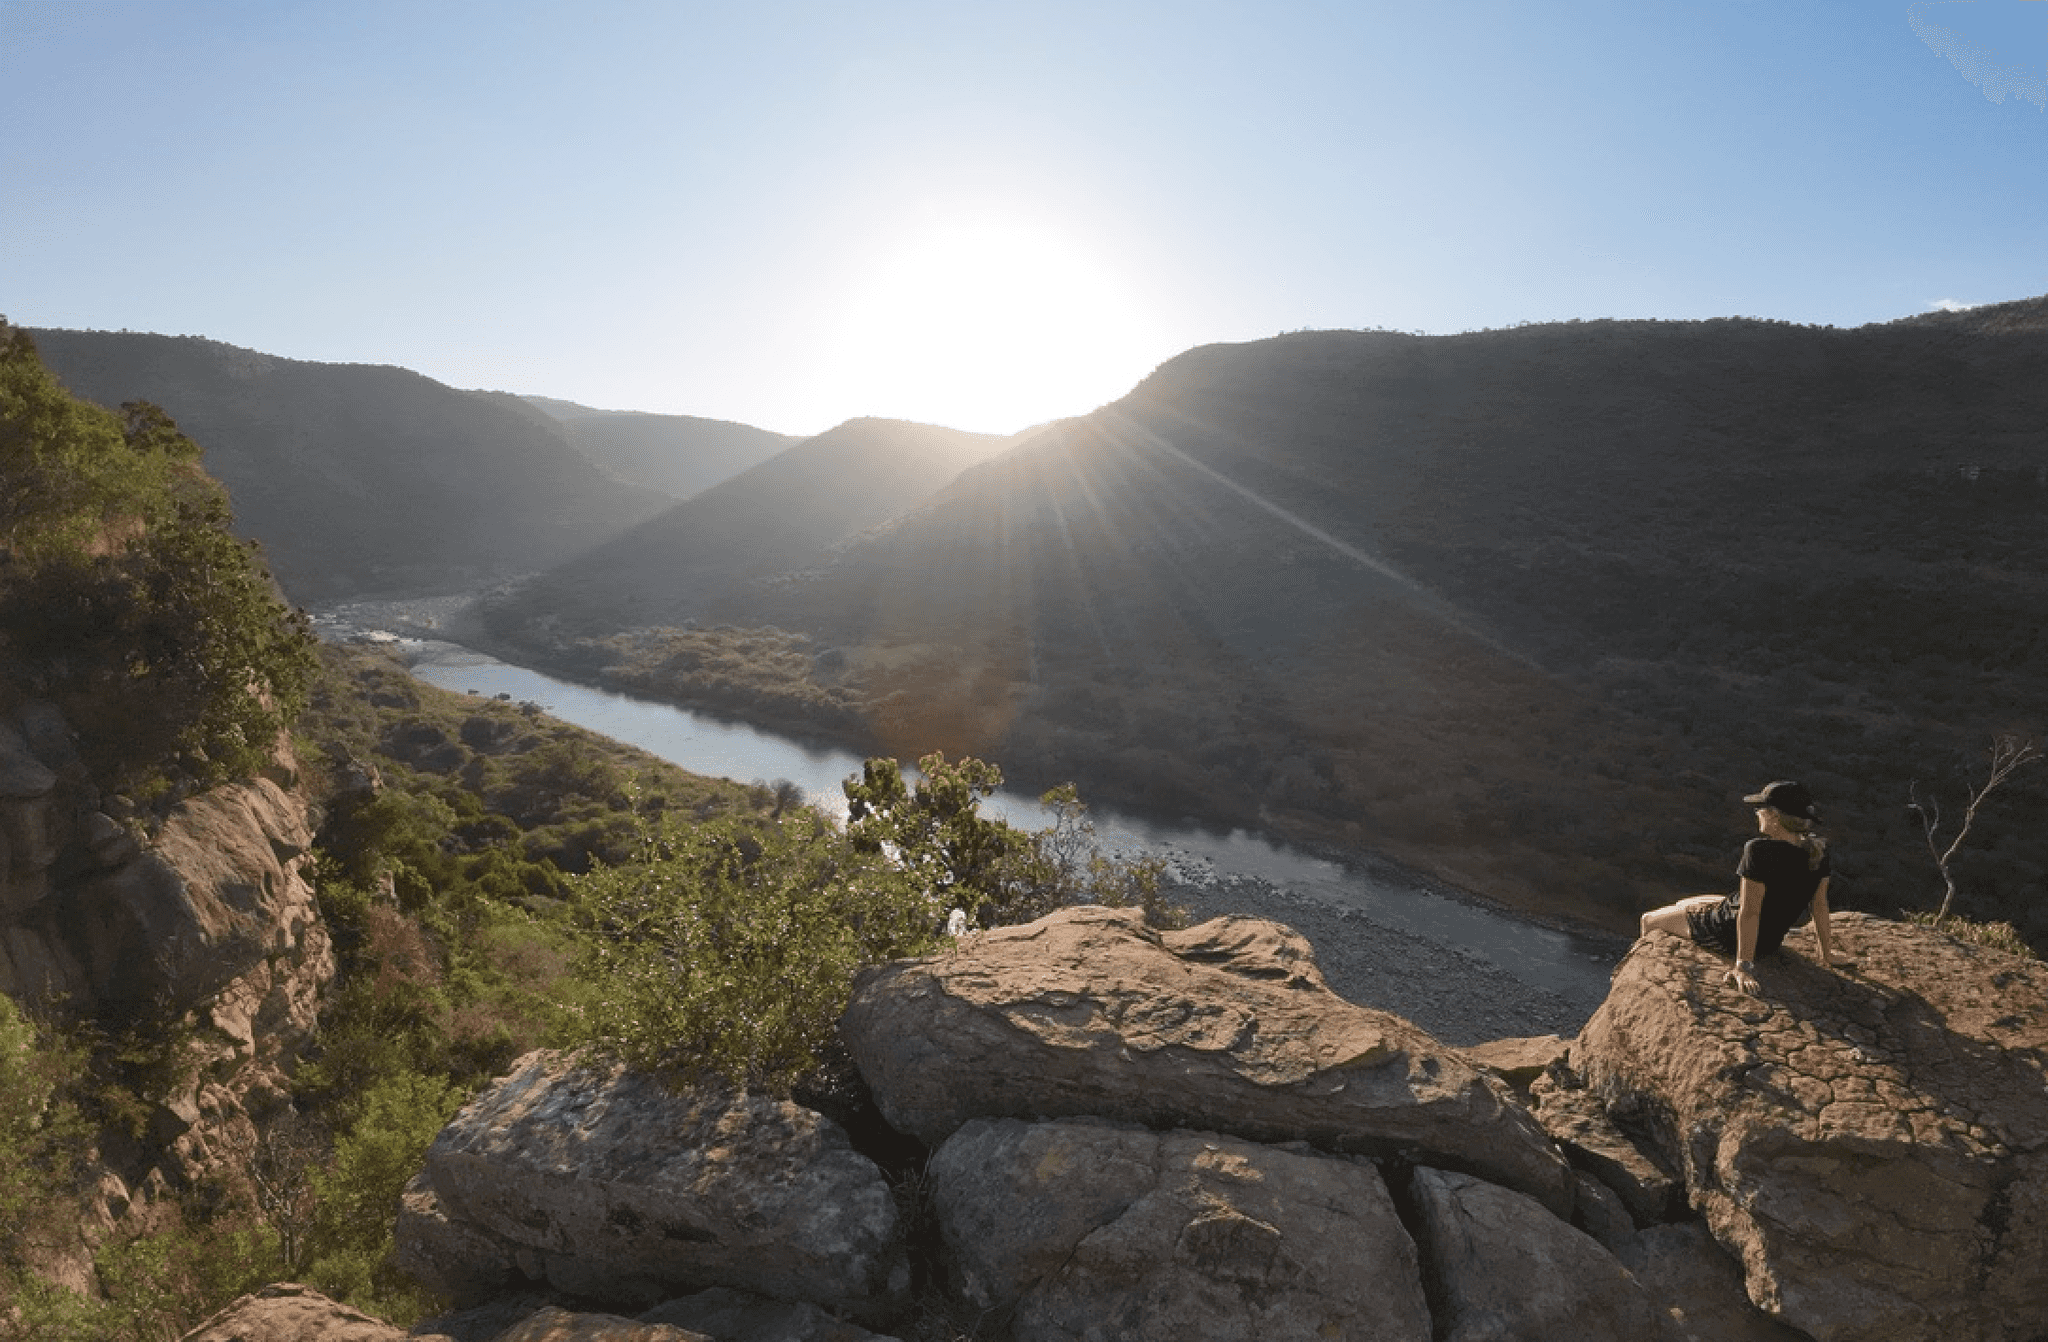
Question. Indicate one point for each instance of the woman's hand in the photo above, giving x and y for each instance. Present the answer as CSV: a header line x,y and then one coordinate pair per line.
x,y
1744,980
1841,960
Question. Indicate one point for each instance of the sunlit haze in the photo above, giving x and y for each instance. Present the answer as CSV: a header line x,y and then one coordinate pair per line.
x,y
988,215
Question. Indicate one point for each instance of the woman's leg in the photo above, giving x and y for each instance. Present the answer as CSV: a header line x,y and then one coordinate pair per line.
x,y
1671,918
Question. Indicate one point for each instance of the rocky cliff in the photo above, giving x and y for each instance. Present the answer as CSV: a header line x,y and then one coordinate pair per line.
x,y
1128,1134
205,928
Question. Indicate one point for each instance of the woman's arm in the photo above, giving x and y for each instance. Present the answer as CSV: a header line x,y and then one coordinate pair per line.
x,y
1821,930
1747,919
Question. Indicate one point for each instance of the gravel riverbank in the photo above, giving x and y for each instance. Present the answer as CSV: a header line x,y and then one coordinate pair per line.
x,y
1459,996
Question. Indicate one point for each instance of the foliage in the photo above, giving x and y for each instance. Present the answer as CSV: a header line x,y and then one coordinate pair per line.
x,y
42,1137
350,1254
728,949
997,873
1997,936
119,572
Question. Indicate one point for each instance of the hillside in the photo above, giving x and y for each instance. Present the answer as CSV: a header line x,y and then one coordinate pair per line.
x,y
680,455
361,479
706,558
1532,608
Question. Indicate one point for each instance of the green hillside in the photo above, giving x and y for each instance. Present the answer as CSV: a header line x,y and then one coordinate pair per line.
x,y
361,479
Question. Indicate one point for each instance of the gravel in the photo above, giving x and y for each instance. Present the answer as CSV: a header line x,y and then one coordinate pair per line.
x,y
1458,996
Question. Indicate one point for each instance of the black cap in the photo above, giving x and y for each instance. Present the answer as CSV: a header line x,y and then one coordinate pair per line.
x,y
1788,797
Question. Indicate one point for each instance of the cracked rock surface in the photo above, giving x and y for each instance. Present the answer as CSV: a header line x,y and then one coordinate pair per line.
x,y
1227,1027
603,1183
1088,1230
1872,1145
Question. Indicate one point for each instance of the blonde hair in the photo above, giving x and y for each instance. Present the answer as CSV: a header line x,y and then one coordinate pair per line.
x,y
1801,830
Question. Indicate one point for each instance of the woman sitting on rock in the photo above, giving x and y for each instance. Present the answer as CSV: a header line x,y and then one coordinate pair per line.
x,y
1784,873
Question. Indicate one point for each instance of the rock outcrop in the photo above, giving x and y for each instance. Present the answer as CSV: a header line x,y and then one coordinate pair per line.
x,y
1851,1158
288,1312
212,920
1227,1027
1503,1267
1873,1146
1080,1230
603,1183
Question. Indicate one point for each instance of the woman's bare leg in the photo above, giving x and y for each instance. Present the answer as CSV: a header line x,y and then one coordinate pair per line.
x,y
1671,918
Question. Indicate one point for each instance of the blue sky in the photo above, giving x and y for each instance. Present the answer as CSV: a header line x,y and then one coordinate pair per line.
x,y
991,214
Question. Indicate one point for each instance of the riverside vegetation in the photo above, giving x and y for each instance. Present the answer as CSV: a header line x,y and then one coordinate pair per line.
x,y
493,881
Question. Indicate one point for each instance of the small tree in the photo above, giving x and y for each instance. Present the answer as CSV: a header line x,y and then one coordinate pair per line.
x,y
2008,753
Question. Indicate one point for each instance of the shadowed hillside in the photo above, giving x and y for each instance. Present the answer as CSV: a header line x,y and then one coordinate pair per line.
x,y
1531,607
708,557
680,455
362,479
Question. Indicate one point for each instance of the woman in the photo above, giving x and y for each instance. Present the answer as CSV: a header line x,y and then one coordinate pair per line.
x,y
1784,873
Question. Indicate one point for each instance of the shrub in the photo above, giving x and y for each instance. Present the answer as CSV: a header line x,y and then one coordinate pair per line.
x,y
350,1255
728,949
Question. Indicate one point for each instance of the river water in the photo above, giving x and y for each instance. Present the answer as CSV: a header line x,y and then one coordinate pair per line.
x,y
1457,966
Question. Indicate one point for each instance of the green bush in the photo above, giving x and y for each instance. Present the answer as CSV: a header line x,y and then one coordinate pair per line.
x,y
350,1253
728,949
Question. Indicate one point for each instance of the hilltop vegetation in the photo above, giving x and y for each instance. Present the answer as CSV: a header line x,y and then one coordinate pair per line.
x,y
680,455
116,570
364,479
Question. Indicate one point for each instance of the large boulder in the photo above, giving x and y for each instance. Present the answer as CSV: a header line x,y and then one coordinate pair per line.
x,y
1504,1267
218,892
1083,1230
1227,1027
288,1312
606,1184
1872,1146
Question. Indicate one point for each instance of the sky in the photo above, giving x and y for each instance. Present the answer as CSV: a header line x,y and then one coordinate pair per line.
x,y
989,215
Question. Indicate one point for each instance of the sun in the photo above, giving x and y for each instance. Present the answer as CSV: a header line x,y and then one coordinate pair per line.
x,y
988,324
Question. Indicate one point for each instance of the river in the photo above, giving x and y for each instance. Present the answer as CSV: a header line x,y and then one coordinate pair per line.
x,y
1460,967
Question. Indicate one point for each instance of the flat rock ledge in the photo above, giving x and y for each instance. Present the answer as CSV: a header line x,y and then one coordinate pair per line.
x,y
603,1183
1227,1027
1871,1145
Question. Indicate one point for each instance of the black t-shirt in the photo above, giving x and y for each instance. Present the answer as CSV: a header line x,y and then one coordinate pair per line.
x,y
1788,882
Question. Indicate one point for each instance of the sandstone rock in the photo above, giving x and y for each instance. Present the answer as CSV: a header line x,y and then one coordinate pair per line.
x,y
216,894
1504,1268
453,1257
1873,1147
555,1324
1091,1231
291,1313
1698,1285
735,1316
1578,1121
1518,1061
605,1184
1599,1211
1226,1027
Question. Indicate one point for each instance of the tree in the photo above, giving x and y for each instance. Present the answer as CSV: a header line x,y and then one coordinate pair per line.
x,y
936,832
2008,753
995,872
124,598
